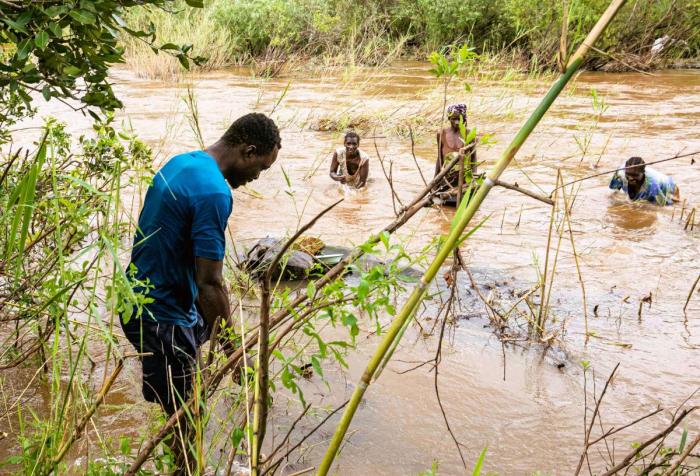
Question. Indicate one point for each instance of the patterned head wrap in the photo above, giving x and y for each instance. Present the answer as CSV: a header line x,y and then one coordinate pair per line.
x,y
456,111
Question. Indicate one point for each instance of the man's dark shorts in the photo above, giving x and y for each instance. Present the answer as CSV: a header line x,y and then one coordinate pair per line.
x,y
168,373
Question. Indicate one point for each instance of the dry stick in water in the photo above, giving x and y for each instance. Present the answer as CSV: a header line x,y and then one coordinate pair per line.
x,y
608,172
541,315
413,154
421,200
262,374
690,221
690,294
567,217
394,196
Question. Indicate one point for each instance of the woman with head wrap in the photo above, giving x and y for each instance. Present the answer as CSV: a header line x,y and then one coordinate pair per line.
x,y
450,142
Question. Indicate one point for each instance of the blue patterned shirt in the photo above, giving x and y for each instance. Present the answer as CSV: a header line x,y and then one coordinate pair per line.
x,y
657,187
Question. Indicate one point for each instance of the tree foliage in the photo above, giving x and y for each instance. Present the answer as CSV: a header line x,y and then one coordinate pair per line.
x,y
63,49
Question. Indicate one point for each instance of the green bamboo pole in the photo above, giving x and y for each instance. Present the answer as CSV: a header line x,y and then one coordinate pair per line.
x,y
464,215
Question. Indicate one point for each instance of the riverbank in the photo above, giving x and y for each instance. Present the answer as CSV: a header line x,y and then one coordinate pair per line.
x,y
278,36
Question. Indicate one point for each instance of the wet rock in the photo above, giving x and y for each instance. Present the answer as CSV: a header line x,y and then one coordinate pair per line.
x,y
295,264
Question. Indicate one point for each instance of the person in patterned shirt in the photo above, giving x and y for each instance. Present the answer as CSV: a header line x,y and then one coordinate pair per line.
x,y
640,182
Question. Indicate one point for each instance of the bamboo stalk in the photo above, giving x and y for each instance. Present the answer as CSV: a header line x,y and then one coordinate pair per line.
x,y
461,221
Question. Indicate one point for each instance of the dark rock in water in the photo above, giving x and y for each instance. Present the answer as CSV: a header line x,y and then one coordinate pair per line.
x,y
298,264
294,265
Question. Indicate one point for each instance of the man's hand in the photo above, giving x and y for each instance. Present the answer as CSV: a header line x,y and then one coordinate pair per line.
x,y
212,296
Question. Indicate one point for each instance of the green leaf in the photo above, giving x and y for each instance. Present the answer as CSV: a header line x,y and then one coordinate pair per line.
x,y
46,92
41,40
55,11
310,290
195,3
384,236
237,437
479,463
317,365
83,17
362,289
15,26
56,29
72,70
169,46
24,48
124,445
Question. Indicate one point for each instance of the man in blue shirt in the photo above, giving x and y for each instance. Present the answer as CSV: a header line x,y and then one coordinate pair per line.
x,y
640,182
178,254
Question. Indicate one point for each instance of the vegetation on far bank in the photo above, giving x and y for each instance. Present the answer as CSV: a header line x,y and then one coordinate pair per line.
x,y
525,33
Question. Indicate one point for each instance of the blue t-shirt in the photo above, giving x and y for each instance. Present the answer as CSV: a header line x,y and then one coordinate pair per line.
x,y
184,216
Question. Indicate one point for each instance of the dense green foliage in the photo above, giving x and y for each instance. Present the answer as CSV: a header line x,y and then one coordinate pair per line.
x,y
372,31
63,49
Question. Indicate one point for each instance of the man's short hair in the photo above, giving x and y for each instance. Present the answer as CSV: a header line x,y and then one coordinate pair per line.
x,y
635,163
254,129
351,134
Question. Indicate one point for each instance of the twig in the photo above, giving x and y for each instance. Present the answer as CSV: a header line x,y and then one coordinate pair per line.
x,y
300,442
683,456
690,294
586,441
78,430
289,432
663,434
394,196
680,156
413,154
530,194
438,358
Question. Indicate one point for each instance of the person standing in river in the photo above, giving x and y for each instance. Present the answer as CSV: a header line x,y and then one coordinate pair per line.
x,y
178,254
350,165
450,142
640,182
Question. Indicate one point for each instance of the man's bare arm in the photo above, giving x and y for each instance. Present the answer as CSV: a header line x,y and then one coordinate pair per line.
x,y
334,169
212,298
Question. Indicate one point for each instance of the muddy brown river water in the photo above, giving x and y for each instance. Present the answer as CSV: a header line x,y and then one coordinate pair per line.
x,y
532,421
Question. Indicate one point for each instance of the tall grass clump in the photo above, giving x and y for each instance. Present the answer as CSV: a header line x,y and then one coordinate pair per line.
x,y
196,27
61,282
